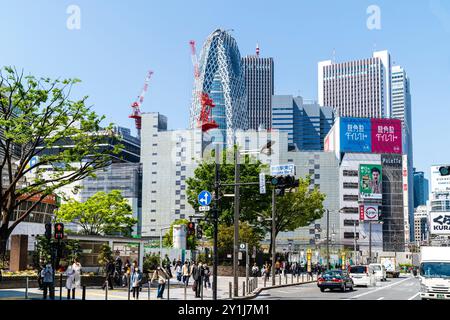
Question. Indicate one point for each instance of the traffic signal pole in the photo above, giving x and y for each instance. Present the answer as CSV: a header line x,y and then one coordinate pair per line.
x,y
236,225
215,221
273,236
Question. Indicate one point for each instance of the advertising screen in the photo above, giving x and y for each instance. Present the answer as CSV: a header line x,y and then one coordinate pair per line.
x,y
370,182
440,223
355,135
438,182
386,136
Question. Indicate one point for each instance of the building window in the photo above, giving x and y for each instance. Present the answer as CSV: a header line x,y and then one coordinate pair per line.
x,y
154,154
351,185
351,223
351,235
348,197
350,173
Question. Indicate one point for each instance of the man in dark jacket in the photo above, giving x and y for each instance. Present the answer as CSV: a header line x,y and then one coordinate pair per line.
x,y
110,269
197,275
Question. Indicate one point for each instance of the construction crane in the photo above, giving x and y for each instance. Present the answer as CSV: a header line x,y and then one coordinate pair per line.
x,y
136,113
204,121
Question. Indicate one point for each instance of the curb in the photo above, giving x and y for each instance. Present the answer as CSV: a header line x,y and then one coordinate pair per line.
x,y
256,293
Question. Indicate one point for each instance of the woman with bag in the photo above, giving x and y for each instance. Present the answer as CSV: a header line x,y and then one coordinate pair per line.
x,y
161,276
136,278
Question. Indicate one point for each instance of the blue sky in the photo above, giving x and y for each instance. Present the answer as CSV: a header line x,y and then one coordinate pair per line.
x,y
120,40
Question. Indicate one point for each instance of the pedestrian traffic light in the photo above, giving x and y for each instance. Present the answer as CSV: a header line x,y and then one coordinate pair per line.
x,y
444,171
48,230
59,231
191,229
199,232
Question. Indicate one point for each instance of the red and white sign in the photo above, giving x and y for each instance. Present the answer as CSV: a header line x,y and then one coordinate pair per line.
x,y
368,213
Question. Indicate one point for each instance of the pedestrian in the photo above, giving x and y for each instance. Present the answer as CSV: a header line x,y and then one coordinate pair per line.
x,y
197,275
186,273
178,270
136,279
73,278
161,276
48,279
126,273
255,270
206,276
277,267
118,271
110,269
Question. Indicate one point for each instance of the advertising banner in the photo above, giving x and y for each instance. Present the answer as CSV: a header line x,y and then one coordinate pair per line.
x,y
355,135
370,182
386,136
368,213
440,223
438,182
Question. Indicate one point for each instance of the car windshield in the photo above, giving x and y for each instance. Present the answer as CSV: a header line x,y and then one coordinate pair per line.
x,y
435,270
358,269
333,274
376,267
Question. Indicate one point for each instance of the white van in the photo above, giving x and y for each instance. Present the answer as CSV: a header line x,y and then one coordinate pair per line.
x,y
379,271
362,275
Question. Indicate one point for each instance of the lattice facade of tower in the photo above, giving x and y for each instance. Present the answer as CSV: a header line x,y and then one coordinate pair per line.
x,y
222,78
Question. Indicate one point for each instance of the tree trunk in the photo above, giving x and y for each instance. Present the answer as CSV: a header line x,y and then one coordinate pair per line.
x,y
4,235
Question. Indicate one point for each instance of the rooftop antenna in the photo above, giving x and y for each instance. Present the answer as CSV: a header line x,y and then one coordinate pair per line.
x,y
257,49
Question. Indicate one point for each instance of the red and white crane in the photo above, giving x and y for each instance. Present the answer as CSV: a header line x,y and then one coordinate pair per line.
x,y
205,120
136,114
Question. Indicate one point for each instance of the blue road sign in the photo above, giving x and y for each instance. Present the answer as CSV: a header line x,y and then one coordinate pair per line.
x,y
204,198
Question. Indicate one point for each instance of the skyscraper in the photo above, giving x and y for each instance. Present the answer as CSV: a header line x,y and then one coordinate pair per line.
x,y
359,88
305,122
258,75
222,78
421,189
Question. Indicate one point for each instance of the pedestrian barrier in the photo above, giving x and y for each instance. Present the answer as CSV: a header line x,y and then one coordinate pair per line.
x,y
185,290
243,288
106,289
26,290
83,294
265,280
60,285
279,276
129,285
149,284
230,289
168,289
285,278
292,277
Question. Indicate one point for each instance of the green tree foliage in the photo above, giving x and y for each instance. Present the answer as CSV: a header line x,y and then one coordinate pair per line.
x,y
103,213
105,255
247,234
151,261
37,115
252,203
192,241
298,208
69,250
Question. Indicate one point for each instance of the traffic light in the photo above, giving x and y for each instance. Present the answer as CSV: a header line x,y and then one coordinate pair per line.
x,y
285,182
191,229
59,231
444,171
48,230
199,232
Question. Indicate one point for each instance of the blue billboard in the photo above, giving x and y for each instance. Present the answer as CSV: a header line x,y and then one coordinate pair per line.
x,y
355,135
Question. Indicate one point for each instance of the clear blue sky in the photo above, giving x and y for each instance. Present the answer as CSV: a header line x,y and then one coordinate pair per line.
x,y
120,40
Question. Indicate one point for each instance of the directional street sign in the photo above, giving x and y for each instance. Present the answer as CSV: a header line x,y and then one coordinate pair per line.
x,y
204,198
262,183
283,170
242,246
204,208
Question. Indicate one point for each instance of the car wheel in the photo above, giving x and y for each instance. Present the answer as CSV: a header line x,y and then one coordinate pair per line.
x,y
322,289
351,288
343,289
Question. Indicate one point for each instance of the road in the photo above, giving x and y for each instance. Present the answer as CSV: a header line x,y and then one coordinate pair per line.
x,y
403,288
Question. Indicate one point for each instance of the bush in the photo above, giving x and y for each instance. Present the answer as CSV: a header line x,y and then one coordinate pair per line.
x,y
105,255
151,261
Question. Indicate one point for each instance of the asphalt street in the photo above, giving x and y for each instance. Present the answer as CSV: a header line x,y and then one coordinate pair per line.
x,y
402,288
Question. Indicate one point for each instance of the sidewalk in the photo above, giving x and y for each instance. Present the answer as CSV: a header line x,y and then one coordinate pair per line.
x,y
175,293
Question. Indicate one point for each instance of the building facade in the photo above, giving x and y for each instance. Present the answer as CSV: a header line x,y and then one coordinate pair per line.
x,y
421,225
359,88
222,78
259,88
421,189
305,122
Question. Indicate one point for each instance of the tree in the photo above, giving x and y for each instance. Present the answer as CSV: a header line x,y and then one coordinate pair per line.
x,y
247,234
37,118
103,213
252,203
295,209
151,262
192,241
105,255
70,249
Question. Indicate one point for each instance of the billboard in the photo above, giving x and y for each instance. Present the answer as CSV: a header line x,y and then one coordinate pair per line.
x,y
355,135
369,213
440,223
370,182
386,136
438,182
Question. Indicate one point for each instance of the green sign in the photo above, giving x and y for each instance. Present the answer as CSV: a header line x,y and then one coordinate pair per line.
x,y
370,182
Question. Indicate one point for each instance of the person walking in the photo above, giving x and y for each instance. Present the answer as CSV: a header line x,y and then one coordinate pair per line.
x,y
73,278
118,271
47,275
186,273
161,276
126,273
109,275
255,270
206,276
197,275
178,271
136,279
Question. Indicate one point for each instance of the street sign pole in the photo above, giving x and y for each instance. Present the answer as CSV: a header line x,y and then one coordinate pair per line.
x,y
215,218
247,265
273,236
236,226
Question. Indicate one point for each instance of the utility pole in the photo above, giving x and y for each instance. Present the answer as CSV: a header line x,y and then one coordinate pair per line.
x,y
215,220
354,242
236,224
370,241
273,236
328,238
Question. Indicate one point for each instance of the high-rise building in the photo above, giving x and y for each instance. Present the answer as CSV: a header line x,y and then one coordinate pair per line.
x,y
421,189
305,122
259,87
359,88
421,218
222,78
